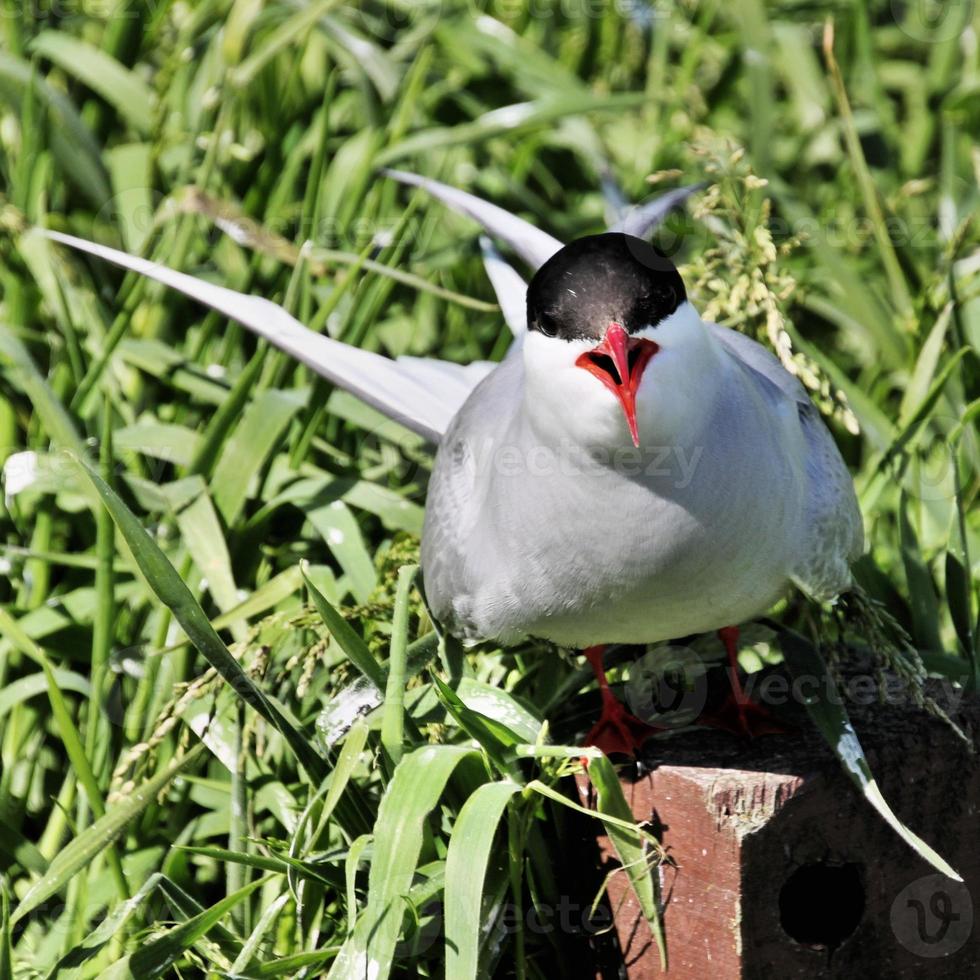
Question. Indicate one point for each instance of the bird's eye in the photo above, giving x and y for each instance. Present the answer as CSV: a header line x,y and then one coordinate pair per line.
x,y
654,304
547,325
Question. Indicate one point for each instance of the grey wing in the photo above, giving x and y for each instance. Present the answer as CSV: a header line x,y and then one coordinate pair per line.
x,y
833,532
421,393
448,502
458,552
761,360
449,383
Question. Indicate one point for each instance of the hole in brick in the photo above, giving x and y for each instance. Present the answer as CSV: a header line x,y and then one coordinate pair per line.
x,y
822,904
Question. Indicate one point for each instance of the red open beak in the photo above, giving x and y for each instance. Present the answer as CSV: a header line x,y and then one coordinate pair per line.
x,y
619,362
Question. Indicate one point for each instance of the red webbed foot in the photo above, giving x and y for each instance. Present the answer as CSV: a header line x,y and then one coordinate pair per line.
x,y
616,731
738,714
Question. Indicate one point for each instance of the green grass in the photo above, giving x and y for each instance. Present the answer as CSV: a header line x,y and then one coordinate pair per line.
x,y
176,685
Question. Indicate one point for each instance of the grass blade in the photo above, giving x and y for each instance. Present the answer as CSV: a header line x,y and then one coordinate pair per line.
x,y
72,965
259,936
174,594
466,868
922,592
80,851
336,524
921,414
255,438
200,529
105,589
830,717
208,449
124,90
72,142
284,35
158,955
6,952
330,793
278,864
482,730
15,847
57,422
418,783
893,270
67,730
393,720
629,845
355,648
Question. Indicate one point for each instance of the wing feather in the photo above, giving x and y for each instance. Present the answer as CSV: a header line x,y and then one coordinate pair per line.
x,y
833,534
421,394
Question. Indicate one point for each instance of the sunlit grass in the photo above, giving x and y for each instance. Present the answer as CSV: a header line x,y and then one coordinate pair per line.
x,y
260,825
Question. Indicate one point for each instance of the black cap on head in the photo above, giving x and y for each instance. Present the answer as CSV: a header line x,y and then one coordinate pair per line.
x,y
602,279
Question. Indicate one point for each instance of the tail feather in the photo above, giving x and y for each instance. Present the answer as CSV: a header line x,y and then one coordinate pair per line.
x,y
644,218
531,244
510,288
617,203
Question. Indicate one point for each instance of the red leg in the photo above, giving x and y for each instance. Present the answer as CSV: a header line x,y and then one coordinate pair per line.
x,y
616,730
738,714
729,637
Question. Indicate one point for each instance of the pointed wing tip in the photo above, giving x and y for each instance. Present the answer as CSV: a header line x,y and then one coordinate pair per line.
x,y
105,252
644,218
404,176
57,236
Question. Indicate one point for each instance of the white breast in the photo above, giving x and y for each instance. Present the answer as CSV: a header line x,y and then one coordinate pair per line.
x,y
684,537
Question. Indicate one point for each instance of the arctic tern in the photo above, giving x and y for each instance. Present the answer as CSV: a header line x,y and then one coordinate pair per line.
x,y
627,474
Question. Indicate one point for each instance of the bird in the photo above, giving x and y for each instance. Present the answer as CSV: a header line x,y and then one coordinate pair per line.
x,y
629,472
